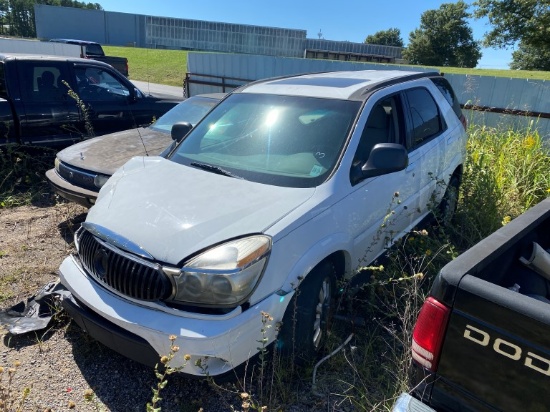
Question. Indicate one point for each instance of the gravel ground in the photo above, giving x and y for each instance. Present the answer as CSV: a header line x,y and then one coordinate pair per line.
x,y
62,364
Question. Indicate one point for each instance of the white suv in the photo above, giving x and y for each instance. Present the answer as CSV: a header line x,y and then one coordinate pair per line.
x,y
285,186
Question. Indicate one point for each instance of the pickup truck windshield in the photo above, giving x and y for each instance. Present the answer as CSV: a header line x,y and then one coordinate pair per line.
x,y
280,140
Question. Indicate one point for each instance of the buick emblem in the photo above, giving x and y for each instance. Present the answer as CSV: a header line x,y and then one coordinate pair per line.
x,y
101,263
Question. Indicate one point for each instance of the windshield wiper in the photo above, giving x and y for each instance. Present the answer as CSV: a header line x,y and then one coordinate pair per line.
x,y
214,169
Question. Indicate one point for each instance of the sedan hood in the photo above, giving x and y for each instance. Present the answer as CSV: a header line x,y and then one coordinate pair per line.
x,y
172,211
105,154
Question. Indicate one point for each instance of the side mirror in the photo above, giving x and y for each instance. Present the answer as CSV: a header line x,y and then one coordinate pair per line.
x,y
384,158
180,130
135,95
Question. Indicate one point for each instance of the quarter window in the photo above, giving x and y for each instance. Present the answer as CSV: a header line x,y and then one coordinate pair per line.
x,y
447,92
424,114
43,81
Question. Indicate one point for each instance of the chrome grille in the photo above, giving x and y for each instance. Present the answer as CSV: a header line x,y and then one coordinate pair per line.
x,y
123,272
77,177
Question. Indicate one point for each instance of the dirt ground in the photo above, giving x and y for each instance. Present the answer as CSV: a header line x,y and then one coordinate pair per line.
x,y
62,364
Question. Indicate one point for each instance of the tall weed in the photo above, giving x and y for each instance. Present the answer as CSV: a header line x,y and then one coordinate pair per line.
x,y
505,174
22,179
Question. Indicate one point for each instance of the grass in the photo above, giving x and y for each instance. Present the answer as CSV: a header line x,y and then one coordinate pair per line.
x,y
515,74
22,175
153,65
505,174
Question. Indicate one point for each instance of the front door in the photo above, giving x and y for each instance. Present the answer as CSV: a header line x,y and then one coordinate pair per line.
x,y
106,100
385,201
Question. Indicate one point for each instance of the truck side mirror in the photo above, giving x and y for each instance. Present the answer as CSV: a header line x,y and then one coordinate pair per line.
x,y
180,130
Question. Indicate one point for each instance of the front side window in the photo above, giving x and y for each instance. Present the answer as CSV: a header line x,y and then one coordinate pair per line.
x,y
384,125
281,140
424,114
96,84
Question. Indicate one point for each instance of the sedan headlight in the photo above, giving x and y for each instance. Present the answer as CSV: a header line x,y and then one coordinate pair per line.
x,y
224,275
100,180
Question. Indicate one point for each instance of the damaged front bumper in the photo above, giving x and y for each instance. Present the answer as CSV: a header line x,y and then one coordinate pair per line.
x,y
36,312
216,343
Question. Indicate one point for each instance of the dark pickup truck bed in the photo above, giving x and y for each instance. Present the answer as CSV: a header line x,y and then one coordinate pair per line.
x,y
482,341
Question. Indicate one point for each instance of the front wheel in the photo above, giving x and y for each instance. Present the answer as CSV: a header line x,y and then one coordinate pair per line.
x,y
307,317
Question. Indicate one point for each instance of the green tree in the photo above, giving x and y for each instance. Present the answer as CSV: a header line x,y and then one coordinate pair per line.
x,y
390,37
444,38
526,22
530,58
17,16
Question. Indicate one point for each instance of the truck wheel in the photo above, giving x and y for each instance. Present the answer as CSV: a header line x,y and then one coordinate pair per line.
x,y
449,203
307,317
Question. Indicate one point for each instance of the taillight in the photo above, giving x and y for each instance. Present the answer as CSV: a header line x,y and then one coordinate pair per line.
x,y
429,332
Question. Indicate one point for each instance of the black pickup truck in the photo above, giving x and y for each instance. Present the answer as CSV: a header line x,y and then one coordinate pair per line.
x,y
482,338
37,106
93,50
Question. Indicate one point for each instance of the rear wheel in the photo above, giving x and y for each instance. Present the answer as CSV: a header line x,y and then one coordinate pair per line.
x,y
307,318
449,203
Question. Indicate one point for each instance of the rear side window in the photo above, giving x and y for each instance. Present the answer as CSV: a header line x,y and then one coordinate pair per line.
x,y
42,81
424,115
93,49
449,94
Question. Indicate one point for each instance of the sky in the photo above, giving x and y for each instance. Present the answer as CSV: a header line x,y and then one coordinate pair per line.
x,y
344,20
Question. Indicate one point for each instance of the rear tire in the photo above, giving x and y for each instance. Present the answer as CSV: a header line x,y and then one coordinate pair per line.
x,y
307,318
447,207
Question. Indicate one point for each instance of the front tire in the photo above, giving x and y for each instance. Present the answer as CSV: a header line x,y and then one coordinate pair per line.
x,y
307,318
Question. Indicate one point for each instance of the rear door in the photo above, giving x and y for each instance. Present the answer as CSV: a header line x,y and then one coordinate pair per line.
x,y
48,116
426,135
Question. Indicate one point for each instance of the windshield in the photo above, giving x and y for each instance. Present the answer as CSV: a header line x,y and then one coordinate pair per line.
x,y
281,140
191,110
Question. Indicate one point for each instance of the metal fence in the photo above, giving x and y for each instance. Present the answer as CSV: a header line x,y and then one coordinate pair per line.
x,y
490,101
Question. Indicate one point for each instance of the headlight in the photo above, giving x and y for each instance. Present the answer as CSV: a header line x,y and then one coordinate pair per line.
x,y
224,275
100,180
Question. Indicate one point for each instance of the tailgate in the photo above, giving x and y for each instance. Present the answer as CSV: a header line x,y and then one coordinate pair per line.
x,y
496,354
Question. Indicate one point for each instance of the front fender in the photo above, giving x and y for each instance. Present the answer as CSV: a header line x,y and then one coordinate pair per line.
x,y
291,262
336,243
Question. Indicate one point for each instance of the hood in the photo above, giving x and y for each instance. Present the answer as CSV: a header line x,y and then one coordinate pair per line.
x,y
105,154
173,211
